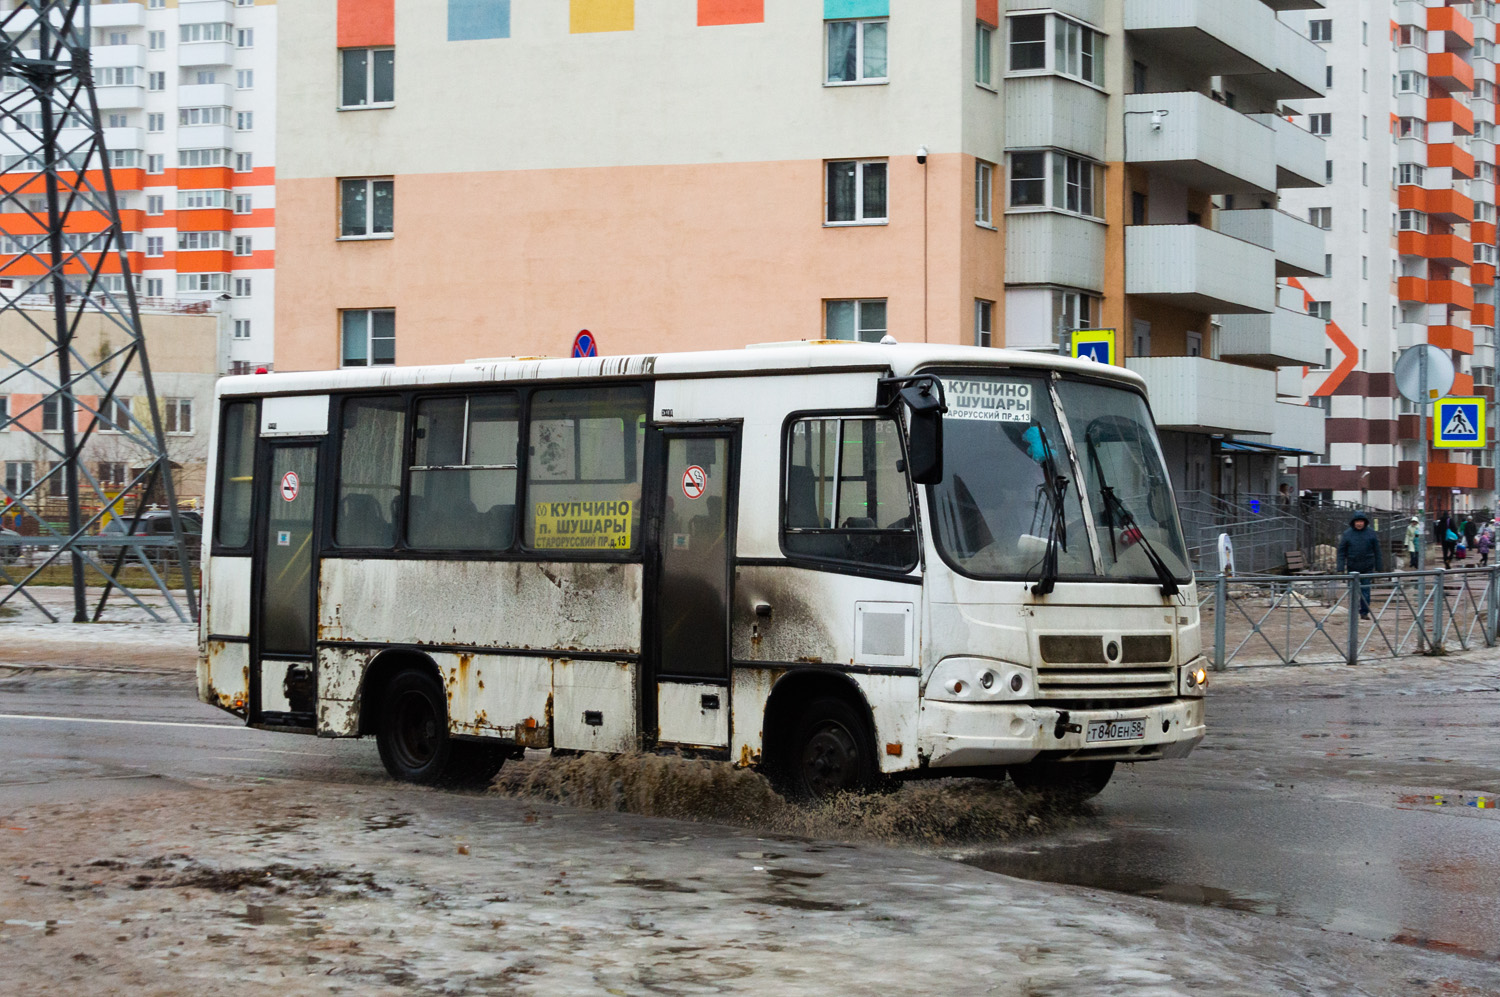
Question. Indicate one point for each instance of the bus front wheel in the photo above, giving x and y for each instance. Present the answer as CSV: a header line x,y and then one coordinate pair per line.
x,y
831,752
1068,780
413,737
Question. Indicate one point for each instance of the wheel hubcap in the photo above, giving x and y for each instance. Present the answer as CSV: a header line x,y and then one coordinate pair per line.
x,y
830,761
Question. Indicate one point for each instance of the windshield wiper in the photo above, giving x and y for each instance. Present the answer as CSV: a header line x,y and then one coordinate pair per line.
x,y
1116,513
1056,487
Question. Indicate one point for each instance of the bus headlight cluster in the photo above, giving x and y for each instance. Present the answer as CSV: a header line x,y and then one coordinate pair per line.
x,y
980,680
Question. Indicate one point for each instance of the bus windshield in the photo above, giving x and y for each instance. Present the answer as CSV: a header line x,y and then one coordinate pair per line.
x,y
1009,491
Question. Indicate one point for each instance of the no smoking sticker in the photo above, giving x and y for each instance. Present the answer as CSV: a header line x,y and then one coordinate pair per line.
x,y
290,486
694,482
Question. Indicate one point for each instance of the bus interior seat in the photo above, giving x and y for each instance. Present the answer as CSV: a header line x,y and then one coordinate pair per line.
x,y
802,499
445,517
858,523
362,524
498,528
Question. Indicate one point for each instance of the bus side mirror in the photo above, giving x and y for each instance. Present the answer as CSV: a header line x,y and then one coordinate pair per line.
x,y
925,452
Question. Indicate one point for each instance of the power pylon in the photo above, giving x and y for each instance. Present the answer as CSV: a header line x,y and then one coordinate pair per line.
x,y
54,169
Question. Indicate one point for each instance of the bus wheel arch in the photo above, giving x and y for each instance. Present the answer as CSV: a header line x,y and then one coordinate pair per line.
x,y
377,678
405,704
818,735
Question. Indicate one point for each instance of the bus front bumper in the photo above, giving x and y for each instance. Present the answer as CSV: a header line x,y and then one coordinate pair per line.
x,y
963,735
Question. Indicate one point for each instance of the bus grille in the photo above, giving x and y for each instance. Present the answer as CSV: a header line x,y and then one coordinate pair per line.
x,y
1102,681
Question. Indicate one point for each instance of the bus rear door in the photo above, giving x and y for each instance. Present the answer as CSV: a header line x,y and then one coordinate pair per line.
x,y
687,608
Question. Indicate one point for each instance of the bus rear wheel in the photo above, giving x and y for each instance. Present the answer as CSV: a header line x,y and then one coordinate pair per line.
x,y
1066,780
830,752
414,742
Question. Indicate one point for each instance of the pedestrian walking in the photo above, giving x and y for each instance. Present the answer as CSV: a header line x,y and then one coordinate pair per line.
x,y
1448,537
1359,550
1413,540
1470,532
1485,542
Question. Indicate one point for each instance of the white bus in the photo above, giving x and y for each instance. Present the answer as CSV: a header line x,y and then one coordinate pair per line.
x,y
835,562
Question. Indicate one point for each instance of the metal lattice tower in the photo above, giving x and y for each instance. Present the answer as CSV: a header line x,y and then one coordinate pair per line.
x,y
60,216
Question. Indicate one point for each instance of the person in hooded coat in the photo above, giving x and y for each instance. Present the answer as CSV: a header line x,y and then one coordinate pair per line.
x,y
1359,550
1413,538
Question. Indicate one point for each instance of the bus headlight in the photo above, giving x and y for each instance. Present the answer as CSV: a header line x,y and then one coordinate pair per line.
x,y
980,680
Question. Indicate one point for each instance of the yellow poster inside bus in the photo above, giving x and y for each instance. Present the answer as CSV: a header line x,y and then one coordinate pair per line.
x,y
602,525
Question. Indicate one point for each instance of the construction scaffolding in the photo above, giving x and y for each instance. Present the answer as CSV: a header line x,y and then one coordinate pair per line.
x,y
63,257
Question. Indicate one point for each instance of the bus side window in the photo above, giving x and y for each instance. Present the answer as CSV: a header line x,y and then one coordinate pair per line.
x,y
584,469
236,475
463,474
847,498
373,433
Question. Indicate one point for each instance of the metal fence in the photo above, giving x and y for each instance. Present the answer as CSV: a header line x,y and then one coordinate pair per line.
x,y
1311,619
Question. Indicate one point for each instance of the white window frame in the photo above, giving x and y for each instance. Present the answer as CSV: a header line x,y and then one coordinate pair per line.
x,y
1071,31
244,245
1320,217
207,158
116,415
244,38
156,41
244,162
859,194
861,26
200,242
1320,29
244,121
984,322
984,55
241,328
243,288
156,122
1410,174
195,32
369,184
156,82
244,79
156,246
187,117
1408,220
1320,124
156,287
984,194
861,327
244,203
369,89
156,163
1053,197
369,336
177,412
202,199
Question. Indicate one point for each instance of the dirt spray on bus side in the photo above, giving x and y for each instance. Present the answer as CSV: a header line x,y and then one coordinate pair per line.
x,y
937,812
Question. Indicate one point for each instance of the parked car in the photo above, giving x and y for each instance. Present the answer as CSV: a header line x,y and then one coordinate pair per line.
x,y
153,523
11,551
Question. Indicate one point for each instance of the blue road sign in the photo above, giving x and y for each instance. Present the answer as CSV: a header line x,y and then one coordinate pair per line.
x,y
584,345
1097,345
1458,422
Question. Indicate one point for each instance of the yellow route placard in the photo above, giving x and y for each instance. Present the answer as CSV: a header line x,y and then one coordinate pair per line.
x,y
601,525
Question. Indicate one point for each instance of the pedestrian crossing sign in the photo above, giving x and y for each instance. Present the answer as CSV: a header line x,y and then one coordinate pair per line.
x,y
1458,422
1097,345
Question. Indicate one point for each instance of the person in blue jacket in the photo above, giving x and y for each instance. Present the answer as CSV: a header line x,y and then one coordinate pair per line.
x,y
1359,550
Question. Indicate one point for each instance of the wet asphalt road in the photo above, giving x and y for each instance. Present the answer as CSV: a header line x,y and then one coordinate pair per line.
x,y
1313,802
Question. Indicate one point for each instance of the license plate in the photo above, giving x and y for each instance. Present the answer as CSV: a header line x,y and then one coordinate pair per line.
x,y
1129,729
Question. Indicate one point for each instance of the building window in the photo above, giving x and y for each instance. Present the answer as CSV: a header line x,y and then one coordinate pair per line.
x,y
112,474
155,245
244,79
984,322
1484,252
984,48
206,198
369,337
857,51
1071,311
367,208
369,77
52,414
1410,34
1320,124
179,415
119,121
984,194
1321,309
1321,217
244,245
1411,221
244,38
1411,128
156,163
244,121
1320,30
194,158
859,321
20,477
156,41
199,282
1051,43
207,76
115,76
198,241
155,287
1057,180
242,288
206,31
241,328
1408,81
244,162
856,192
156,122
1411,173
244,204
115,418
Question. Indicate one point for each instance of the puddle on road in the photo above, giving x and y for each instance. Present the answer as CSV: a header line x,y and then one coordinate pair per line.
x,y
1077,867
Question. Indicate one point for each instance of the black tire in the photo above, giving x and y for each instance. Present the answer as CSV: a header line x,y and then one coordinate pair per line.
x,y
831,751
413,736
1065,780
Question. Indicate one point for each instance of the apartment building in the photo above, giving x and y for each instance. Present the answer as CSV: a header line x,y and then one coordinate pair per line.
x,y
694,174
186,89
1410,117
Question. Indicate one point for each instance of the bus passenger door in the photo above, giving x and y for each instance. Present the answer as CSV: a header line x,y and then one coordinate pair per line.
x,y
283,682
689,607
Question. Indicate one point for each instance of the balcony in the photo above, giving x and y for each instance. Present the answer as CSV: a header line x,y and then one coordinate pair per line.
x,y
1282,338
205,137
1200,142
1298,70
1455,157
117,15
205,95
1412,289
1298,426
1451,293
1301,156
1233,37
1197,268
1451,337
204,11
1458,30
124,138
1049,247
120,98
1052,112
1297,245
1198,395
205,54
1446,71
1448,109
107,56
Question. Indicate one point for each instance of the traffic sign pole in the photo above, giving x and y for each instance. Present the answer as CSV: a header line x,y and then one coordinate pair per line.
x,y
1422,466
